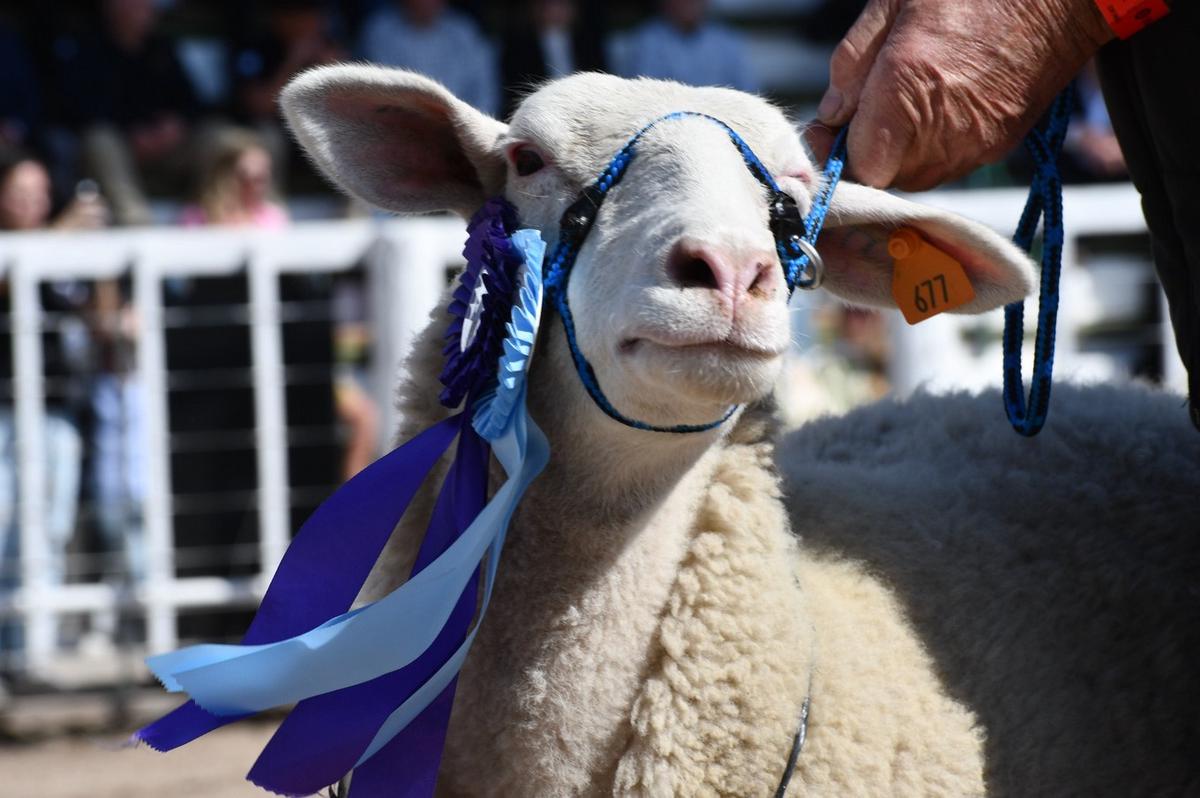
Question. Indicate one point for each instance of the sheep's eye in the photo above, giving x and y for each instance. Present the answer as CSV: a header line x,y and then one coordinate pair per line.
x,y
527,161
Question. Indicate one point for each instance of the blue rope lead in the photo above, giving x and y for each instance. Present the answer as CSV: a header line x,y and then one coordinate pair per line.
x,y
1044,204
795,241
799,269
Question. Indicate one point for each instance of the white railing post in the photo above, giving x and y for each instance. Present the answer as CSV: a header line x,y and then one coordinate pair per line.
x,y
30,421
410,261
270,411
161,632
383,277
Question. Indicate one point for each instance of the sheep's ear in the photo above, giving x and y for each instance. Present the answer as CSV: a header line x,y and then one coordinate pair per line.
x,y
396,139
859,269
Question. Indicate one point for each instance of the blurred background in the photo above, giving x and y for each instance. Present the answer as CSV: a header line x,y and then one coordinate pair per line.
x,y
200,337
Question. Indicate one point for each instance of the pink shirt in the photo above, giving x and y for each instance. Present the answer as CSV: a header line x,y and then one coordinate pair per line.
x,y
267,216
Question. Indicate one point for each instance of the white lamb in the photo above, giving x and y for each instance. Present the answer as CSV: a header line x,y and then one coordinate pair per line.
x,y
968,611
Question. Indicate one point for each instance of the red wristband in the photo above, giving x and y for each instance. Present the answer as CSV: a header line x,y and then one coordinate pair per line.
x,y
1127,17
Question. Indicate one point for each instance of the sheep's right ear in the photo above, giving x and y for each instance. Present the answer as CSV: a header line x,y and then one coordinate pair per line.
x,y
859,268
396,139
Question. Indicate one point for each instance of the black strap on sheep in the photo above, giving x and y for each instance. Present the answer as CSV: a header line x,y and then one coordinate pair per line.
x,y
797,747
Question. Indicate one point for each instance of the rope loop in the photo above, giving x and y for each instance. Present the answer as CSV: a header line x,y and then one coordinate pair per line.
x,y
1044,204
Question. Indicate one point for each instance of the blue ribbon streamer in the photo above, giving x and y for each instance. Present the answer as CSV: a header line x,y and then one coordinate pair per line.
x,y
352,648
303,755
381,676
305,590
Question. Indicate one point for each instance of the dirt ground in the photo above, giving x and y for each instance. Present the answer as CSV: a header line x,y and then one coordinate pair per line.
x,y
214,766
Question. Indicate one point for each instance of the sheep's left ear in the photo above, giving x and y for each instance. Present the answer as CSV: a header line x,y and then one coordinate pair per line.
x,y
859,269
396,139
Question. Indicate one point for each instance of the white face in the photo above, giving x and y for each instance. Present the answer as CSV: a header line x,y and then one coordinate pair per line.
x,y
678,297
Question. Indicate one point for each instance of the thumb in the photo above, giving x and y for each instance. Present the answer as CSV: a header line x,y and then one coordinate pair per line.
x,y
820,141
852,60
879,140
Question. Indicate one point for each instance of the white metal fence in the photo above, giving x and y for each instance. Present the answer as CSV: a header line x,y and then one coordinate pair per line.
x,y
406,264
1112,320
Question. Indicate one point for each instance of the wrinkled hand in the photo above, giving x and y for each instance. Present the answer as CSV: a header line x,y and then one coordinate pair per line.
x,y
937,88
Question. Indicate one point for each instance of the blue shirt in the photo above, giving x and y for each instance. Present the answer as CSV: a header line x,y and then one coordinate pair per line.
x,y
451,51
711,55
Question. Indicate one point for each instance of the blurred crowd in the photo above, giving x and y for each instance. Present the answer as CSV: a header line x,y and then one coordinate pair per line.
x,y
135,97
126,101
136,112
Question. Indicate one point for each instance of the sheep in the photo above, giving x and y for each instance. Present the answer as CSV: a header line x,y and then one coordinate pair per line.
x,y
962,611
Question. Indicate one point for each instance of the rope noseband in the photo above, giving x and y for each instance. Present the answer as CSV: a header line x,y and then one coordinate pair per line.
x,y
795,243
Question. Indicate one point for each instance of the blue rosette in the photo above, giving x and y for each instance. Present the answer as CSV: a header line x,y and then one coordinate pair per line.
x,y
495,410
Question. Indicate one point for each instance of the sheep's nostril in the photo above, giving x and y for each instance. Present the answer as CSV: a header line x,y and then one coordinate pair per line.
x,y
762,284
694,272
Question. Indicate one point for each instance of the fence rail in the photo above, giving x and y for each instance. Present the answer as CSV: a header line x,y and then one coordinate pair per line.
x,y
406,263
1111,303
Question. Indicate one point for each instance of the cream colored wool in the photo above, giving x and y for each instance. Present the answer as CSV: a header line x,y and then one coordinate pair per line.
x,y
946,649
1052,581
725,638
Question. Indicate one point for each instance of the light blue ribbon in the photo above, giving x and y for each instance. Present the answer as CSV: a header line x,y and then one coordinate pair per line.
x,y
387,635
523,451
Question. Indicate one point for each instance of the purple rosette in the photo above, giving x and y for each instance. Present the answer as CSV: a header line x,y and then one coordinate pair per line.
x,y
482,303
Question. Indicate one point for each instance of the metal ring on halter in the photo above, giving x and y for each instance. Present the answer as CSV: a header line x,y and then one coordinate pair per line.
x,y
815,262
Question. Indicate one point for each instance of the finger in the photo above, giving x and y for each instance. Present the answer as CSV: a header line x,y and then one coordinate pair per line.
x,y
881,137
852,60
820,141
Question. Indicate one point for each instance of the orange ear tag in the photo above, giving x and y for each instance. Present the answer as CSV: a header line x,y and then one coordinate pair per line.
x,y
925,280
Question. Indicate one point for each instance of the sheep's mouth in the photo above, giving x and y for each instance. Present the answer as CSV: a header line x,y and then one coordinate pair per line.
x,y
723,347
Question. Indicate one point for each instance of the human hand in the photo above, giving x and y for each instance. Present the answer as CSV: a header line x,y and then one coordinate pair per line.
x,y
937,88
87,211
83,215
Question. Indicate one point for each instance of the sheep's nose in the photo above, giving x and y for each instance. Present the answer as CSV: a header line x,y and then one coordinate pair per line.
x,y
736,274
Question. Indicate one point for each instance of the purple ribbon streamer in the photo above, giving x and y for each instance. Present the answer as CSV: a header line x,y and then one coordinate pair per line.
x,y
407,767
305,592
325,736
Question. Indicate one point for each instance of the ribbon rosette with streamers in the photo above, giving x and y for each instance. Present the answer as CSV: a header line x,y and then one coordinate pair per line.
x,y
373,687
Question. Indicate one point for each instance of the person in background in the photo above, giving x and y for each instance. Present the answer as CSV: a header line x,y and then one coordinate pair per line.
x,y
356,409
546,42
236,188
124,89
25,205
1091,153
295,35
682,44
235,185
427,37
1090,139
20,105
26,199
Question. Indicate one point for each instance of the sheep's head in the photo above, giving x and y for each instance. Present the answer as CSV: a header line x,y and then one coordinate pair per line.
x,y
678,297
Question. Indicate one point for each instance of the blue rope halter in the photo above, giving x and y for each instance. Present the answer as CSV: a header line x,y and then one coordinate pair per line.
x,y
795,243
1045,204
